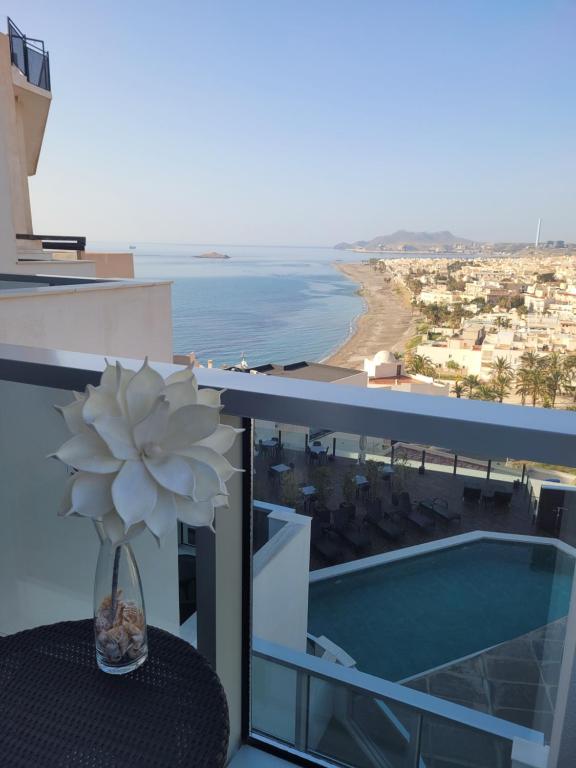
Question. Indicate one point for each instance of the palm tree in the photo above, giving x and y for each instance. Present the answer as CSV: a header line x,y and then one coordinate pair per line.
x,y
471,383
555,376
523,385
458,389
500,385
484,392
501,367
420,364
531,377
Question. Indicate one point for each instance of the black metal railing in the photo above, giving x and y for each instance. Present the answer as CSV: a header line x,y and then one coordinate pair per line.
x,y
30,56
58,242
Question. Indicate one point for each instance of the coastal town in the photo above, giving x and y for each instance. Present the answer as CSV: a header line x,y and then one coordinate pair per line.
x,y
494,328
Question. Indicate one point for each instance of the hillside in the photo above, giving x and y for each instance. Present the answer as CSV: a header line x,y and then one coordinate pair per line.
x,y
402,238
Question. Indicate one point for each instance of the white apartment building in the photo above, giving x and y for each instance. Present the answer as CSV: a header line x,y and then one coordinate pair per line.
x,y
52,293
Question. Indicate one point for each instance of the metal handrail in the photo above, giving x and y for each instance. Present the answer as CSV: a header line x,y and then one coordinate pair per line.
x,y
365,684
60,242
29,44
468,426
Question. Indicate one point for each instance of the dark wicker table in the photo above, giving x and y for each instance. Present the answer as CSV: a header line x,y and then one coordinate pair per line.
x,y
57,710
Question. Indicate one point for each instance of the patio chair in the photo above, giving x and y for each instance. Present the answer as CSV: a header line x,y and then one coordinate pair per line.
x,y
376,517
325,542
471,494
439,508
419,519
353,533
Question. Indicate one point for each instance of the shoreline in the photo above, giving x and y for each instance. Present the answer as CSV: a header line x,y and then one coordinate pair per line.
x,y
387,322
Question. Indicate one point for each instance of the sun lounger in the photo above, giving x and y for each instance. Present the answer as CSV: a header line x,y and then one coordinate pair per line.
x,y
439,508
325,542
388,527
352,533
419,519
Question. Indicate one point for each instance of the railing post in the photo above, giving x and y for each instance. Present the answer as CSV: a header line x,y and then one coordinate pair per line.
x,y
302,710
413,757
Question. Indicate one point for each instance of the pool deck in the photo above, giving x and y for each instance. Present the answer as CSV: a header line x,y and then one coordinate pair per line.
x,y
516,681
434,483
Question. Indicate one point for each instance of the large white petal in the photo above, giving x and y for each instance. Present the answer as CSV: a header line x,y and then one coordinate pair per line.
x,y
117,435
123,377
162,519
208,456
194,512
116,531
174,473
134,493
210,397
180,394
142,391
152,428
72,415
222,439
207,483
188,425
108,382
89,452
91,494
99,403
187,375
66,503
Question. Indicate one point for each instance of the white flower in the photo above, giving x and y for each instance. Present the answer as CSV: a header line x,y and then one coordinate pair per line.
x,y
147,451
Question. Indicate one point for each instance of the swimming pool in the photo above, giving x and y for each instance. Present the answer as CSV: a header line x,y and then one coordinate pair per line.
x,y
403,618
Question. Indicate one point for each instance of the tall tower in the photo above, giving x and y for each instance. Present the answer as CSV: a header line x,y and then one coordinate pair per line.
x,y
537,243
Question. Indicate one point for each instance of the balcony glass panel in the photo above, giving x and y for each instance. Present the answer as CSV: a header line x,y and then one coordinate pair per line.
x,y
446,575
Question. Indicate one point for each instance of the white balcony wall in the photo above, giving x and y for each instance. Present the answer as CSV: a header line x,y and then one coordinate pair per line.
x,y
280,615
47,563
116,318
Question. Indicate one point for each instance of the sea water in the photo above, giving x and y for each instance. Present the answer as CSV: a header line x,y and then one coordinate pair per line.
x,y
270,304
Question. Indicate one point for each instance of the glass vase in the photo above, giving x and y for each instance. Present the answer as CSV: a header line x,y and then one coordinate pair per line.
x,y
119,613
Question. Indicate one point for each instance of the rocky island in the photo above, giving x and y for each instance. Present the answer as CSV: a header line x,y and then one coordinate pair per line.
x,y
212,255
422,242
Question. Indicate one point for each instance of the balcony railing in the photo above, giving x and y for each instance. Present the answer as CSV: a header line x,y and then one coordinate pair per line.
x,y
58,242
283,698
30,56
391,724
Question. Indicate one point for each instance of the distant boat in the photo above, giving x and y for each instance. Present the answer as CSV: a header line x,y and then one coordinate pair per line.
x,y
212,255
132,247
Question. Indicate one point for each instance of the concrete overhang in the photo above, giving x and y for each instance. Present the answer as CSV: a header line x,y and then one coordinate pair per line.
x,y
35,105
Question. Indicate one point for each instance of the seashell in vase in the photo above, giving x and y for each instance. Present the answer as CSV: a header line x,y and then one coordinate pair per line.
x,y
120,623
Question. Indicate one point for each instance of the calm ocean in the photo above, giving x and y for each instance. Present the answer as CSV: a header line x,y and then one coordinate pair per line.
x,y
274,304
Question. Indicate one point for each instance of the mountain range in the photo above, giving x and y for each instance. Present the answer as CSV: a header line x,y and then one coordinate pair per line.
x,y
403,237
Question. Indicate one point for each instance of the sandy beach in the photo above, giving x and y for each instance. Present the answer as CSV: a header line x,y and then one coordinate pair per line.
x,y
388,322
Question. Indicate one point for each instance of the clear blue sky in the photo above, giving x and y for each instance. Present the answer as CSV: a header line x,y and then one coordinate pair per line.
x,y
306,121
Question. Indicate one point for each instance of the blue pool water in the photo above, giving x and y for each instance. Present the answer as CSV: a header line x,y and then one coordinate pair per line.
x,y
401,619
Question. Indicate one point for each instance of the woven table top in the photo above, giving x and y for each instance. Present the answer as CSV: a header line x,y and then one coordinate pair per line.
x,y
58,710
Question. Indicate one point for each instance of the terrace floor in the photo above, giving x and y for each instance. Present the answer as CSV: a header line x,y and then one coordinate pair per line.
x,y
435,482
517,680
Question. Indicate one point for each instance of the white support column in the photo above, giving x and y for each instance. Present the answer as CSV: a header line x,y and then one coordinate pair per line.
x,y
221,602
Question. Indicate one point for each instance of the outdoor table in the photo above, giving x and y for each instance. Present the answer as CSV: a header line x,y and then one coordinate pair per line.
x,y
308,490
281,468
58,710
360,480
387,469
317,449
272,443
